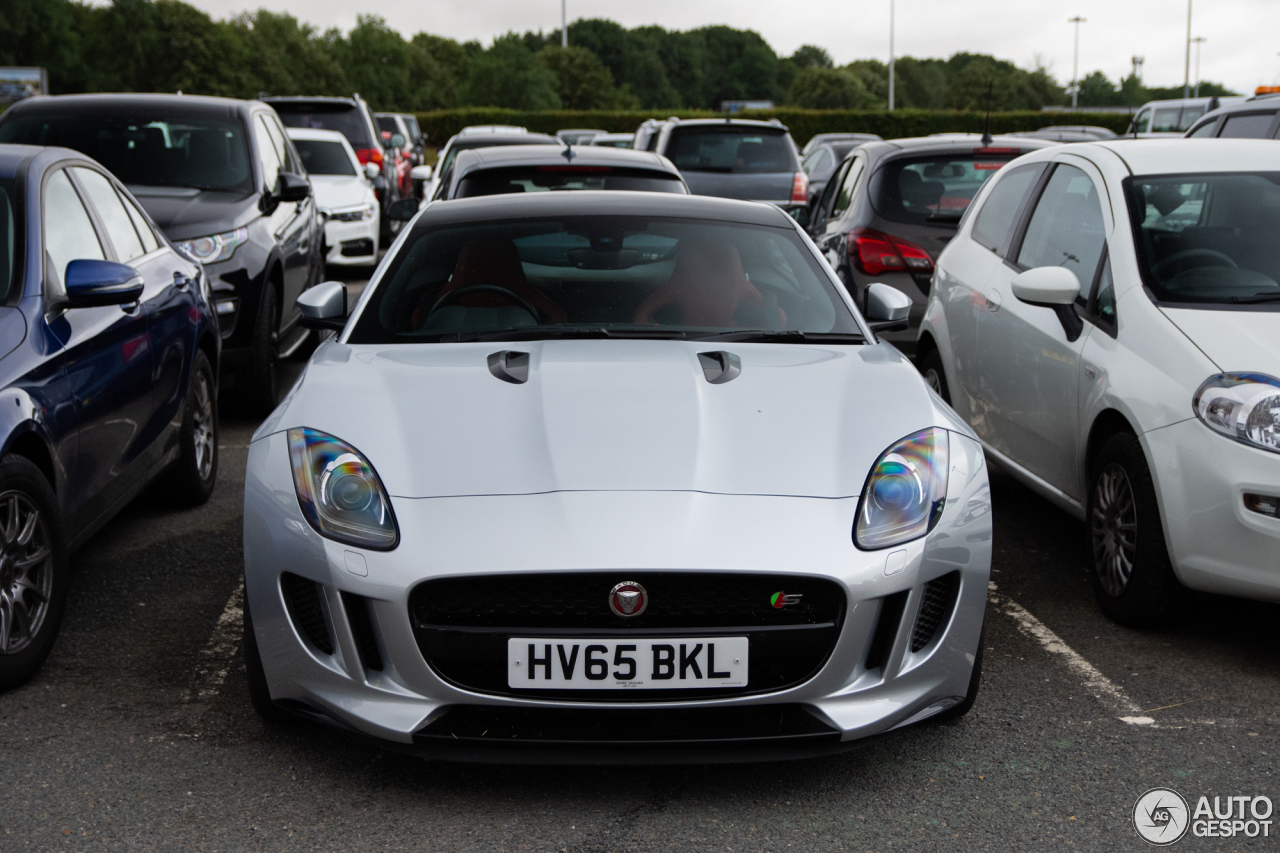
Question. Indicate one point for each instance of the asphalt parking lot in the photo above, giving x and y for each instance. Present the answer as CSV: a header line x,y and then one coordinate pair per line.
x,y
138,733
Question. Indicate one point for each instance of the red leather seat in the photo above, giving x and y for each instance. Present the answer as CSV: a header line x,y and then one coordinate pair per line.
x,y
494,261
708,286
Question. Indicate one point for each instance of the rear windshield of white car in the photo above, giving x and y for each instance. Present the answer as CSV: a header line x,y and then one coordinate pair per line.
x,y
323,157
732,151
1208,238
935,189
534,179
602,275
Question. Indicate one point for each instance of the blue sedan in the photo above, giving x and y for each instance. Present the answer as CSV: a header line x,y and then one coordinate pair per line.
x,y
108,357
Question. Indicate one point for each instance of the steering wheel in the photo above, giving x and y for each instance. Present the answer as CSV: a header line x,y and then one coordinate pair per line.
x,y
1187,254
519,300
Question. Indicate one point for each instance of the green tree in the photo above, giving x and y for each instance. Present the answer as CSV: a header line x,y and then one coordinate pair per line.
x,y
378,64
1097,91
450,65
584,82
508,75
285,57
811,56
828,89
874,77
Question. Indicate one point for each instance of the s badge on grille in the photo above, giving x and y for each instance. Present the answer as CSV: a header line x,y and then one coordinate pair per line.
x,y
781,599
628,599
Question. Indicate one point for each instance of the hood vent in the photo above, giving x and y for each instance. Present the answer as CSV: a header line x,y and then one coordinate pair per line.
x,y
720,367
510,366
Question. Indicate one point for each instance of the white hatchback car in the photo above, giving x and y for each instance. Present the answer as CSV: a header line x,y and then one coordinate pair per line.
x,y
1107,320
343,194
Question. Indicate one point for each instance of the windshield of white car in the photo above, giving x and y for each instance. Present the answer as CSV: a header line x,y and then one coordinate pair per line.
x,y
1208,238
602,276
533,179
324,157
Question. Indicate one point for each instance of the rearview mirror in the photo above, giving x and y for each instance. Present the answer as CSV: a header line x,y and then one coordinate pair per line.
x,y
324,306
291,187
372,170
403,210
1047,286
91,283
397,140
421,173
888,309
800,215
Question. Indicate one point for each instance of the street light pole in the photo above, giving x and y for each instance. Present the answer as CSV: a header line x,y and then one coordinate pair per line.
x,y
564,25
1186,80
890,55
1199,40
1075,63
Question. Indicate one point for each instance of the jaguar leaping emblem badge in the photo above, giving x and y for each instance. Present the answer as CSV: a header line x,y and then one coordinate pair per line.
x,y
628,599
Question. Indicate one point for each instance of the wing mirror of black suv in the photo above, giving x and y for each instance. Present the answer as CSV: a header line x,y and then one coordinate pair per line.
x,y
291,187
90,283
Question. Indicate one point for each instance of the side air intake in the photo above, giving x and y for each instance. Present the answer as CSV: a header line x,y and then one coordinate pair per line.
x,y
886,629
936,604
360,619
306,611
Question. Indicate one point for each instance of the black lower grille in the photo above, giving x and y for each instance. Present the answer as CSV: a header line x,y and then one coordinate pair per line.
x,y
358,616
886,629
462,624
356,248
306,611
936,603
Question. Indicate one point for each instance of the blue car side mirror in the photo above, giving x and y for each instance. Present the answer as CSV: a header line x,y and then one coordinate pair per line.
x,y
91,283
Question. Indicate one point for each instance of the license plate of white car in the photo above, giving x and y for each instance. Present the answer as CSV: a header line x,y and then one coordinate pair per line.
x,y
633,664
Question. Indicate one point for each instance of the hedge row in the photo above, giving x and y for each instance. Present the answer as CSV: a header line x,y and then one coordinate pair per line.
x,y
441,124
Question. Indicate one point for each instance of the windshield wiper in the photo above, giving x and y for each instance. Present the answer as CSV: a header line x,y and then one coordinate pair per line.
x,y
1257,297
525,333
784,336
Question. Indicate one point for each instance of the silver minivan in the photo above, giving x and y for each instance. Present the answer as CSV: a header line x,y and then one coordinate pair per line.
x,y
1157,119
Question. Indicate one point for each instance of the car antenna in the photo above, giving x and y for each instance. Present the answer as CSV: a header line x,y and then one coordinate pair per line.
x,y
986,130
568,151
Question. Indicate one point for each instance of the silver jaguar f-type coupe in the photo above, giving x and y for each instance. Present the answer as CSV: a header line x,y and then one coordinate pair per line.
x,y
618,477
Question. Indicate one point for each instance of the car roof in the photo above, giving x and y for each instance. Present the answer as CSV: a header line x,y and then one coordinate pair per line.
x,y
13,156
308,99
952,143
495,139
314,133
601,203
773,125
545,155
1182,156
104,102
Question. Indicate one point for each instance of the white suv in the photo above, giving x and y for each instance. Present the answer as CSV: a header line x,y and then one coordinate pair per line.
x,y
1107,319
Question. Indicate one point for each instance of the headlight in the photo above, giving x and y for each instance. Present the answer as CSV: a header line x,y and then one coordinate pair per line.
x,y
353,214
219,247
339,492
905,493
1243,406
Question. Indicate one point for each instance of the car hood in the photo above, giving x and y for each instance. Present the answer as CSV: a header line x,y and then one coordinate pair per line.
x,y
614,415
1236,341
335,191
184,213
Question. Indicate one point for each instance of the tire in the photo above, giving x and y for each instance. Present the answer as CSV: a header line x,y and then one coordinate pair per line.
x,y
256,676
934,376
33,588
191,480
259,383
1129,564
975,682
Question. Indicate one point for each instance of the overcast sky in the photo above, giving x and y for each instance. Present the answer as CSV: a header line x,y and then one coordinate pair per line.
x,y
1241,50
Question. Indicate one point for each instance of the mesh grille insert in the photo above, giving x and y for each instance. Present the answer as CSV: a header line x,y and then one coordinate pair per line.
x,y
306,611
936,604
361,621
886,629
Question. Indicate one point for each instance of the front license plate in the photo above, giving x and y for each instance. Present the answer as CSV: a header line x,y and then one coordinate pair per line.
x,y
627,664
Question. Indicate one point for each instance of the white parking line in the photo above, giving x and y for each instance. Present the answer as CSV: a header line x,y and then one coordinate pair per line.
x,y
1102,688
219,652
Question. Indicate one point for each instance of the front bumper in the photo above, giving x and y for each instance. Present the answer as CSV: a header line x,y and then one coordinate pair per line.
x,y
407,703
1216,544
352,242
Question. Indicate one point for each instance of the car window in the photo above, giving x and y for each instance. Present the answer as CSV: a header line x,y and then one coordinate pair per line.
x,y
115,218
8,236
488,142
344,118
1188,117
288,162
532,179
324,157
149,240
935,189
995,218
1067,228
268,156
844,195
1142,122
732,150
1165,120
817,163
1247,126
1104,302
387,124
68,231
1203,131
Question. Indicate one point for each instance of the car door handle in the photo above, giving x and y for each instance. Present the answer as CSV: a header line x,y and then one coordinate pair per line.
x,y
1091,371
181,280
993,300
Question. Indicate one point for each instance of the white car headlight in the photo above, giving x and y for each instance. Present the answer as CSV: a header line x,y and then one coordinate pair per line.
x,y
214,248
339,492
905,493
352,214
1243,406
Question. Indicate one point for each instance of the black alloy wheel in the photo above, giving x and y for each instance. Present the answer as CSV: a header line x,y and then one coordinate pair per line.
x,y
1130,569
33,570
191,480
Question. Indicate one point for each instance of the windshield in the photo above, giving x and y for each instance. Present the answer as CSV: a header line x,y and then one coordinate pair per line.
x,y
324,157
734,150
152,149
532,179
8,237
626,276
938,189
344,118
387,124
466,144
1208,238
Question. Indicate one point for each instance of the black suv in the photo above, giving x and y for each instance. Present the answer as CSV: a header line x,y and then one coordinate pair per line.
x,y
224,183
353,119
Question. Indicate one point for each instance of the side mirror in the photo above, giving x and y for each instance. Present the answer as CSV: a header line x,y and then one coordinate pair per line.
x,y
91,283
324,306
291,187
421,173
800,215
403,210
397,140
1047,286
888,309
372,170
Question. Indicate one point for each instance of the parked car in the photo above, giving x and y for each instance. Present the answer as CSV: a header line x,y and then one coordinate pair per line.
x,y
1063,136
344,196
1254,118
663,402
353,119
613,140
225,184
1172,118
1087,129
735,158
893,206
1106,321
407,126
477,129
396,139
542,168
109,353
821,159
467,140
578,136
826,138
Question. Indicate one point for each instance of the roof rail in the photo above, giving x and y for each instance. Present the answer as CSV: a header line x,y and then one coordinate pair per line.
x,y
673,118
775,122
